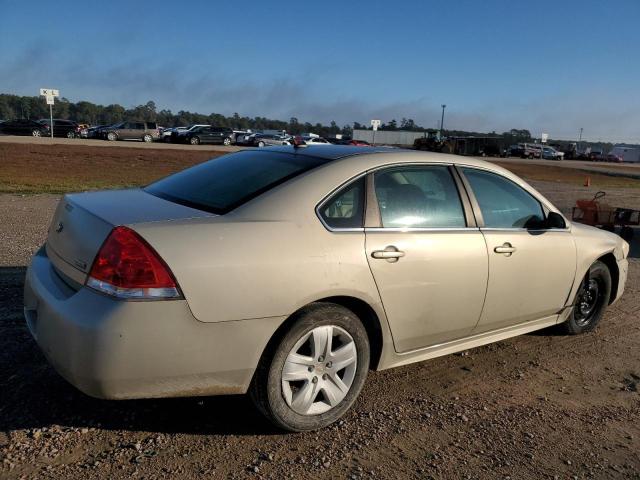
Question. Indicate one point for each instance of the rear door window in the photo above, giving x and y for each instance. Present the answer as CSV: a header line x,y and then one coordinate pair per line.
x,y
419,197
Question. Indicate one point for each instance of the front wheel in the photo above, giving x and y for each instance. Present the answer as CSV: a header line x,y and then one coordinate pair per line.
x,y
261,144
226,142
147,138
592,299
194,141
71,135
112,137
36,133
315,371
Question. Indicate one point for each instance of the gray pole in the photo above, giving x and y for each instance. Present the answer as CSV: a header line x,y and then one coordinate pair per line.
x,y
51,119
442,120
580,139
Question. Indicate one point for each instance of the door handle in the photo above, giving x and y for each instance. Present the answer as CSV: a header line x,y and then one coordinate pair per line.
x,y
506,248
390,253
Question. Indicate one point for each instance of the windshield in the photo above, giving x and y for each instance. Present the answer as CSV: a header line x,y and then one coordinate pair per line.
x,y
222,184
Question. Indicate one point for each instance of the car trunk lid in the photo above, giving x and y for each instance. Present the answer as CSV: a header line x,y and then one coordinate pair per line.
x,y
83,221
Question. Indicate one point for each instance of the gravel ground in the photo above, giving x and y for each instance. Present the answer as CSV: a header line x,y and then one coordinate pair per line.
x,y
542,405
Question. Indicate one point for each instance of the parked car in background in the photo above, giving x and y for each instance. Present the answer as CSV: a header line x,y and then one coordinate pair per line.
x,y
612,157
316,141
246,138
596,156
516,150
550,153
265,140
145,131
62,128
358,143
531,150
177,134
165,134
268,271
24,127
207,134
96,131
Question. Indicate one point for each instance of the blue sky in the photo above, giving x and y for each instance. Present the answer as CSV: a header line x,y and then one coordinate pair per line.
x,y
546,66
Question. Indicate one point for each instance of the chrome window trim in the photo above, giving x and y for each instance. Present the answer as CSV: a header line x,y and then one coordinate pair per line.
x,y
421,229
519,229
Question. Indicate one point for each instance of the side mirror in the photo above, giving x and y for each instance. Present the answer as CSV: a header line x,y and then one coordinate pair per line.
x,y
555,220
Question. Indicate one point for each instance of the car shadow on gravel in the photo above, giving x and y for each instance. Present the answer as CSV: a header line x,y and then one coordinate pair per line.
x,y
35,396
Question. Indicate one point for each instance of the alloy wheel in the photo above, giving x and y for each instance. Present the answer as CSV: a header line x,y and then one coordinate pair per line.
x,y
36,133
319,370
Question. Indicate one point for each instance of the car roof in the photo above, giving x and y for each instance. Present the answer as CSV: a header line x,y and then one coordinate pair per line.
x,y
334,152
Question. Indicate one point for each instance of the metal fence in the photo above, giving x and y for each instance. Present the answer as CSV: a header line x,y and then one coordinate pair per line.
x,y
386,137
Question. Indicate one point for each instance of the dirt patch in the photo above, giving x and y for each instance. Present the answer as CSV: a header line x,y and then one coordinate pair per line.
x,y
570,176
28,168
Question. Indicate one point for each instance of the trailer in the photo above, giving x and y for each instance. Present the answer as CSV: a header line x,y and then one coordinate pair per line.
x,y
628,153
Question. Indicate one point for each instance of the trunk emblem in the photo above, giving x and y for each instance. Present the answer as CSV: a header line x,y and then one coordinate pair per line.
x,y
59,227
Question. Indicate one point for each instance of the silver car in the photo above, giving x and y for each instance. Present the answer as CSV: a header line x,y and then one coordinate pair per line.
x,y
290,272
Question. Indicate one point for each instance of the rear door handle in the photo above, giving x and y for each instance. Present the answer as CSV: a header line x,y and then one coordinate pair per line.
x,y
506,248
390,253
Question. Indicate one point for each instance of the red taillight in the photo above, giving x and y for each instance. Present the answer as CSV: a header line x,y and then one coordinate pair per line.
x,y
128,267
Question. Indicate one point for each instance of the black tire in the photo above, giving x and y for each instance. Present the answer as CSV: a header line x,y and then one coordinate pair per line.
x,y
261,144
194,141
112,136
226,142
587,312
36,133
147,138
71,135
266,388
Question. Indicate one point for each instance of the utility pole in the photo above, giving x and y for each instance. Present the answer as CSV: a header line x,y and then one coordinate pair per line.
x,y
580,139
442,119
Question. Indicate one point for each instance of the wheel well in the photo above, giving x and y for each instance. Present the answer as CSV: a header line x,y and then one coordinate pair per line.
x,y
369,319
360,308
610,261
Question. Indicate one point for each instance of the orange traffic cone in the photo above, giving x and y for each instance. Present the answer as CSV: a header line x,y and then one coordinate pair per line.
x,y
587,181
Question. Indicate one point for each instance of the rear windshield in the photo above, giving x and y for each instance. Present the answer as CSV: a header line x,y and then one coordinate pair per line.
x,y
222,184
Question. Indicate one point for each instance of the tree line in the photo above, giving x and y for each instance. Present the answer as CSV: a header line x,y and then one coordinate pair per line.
x,y
34,107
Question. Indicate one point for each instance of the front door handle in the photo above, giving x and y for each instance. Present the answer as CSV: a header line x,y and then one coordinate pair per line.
x,y
390,253
506,248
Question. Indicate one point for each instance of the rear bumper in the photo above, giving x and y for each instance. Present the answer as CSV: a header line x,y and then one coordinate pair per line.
x,y
117,349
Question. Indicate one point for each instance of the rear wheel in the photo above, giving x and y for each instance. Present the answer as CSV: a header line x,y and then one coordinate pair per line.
x,y
36,133
311,377
226,141
194,141
591,300
112,137
261,144
71,135
147,138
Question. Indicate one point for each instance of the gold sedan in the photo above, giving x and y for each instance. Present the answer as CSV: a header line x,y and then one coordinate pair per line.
x,y
290,272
